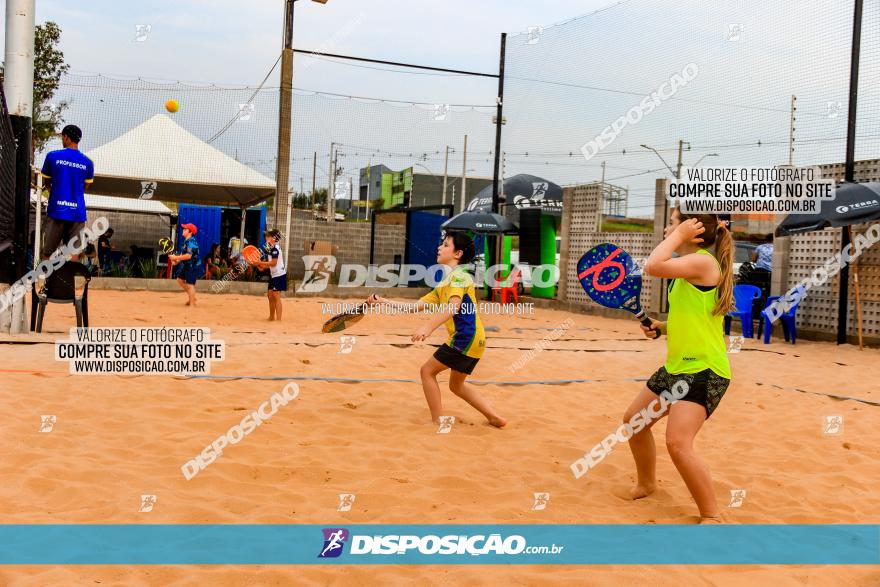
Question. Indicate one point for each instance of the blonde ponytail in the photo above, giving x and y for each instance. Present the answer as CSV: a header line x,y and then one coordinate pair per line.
x,y
724,254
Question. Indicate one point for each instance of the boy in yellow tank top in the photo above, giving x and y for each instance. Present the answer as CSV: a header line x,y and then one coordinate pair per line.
x,y
700,294
453,303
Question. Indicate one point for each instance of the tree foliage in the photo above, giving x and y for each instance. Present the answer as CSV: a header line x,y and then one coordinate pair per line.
x,y
49,66
303,201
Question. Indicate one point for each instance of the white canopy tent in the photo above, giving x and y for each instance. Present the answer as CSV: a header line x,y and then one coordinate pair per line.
x,y
182,167
113,204
96,202
159,159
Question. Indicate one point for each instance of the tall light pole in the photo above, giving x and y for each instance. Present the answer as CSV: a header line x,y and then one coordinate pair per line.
x,y
445,173
425,167
697,164
330,180
849,168
285,105
791,130
18,86
680,149
464,176
676,173
656,152
496,187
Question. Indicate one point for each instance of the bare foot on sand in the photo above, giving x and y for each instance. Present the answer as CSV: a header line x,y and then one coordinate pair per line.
x,y
712,520
498,422
641,490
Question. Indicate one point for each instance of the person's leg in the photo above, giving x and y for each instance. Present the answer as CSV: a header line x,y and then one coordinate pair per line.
x,y
188,285
642,445
51,237
278,311
429,373
685,420
191,294
459,387
271,304
73,230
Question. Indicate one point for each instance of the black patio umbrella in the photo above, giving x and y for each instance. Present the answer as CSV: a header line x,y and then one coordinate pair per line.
x,y
481,222
521,191
854,203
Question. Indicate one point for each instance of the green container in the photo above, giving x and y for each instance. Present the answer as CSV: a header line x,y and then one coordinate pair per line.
x,y
548,254
506,246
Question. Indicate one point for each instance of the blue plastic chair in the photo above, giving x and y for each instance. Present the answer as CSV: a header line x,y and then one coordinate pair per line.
x,y
745,296
789,327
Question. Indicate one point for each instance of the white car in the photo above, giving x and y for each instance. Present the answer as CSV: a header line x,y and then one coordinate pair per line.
x,y
742,254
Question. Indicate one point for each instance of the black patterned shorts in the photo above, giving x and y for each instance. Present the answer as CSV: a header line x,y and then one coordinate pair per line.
x,y
705,387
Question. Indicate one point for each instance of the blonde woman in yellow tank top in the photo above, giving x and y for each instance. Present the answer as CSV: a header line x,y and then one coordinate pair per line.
x,y
696,371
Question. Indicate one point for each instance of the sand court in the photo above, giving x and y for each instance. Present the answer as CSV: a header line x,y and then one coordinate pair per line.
x,y
360,426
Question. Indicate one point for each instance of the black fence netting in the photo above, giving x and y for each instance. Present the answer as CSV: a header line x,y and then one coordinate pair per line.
x,y
126,123
719,78
574,91
7,178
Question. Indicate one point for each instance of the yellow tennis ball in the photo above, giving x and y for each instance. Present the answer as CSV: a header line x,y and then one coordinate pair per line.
x,y
172,106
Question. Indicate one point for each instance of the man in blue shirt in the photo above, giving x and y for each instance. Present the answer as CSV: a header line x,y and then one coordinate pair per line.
x,y
763,255
67,172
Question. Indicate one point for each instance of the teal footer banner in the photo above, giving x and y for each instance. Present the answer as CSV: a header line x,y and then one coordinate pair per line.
x,y
525,544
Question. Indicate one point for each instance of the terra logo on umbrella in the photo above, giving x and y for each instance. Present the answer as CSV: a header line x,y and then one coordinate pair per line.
x,y
521,192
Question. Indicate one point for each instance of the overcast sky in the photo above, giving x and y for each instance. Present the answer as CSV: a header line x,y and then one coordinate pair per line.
x,y
561,92
234,42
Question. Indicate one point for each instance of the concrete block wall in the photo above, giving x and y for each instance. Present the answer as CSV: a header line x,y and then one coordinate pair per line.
x,y
351,239
585,204
795,258
806,252
638,244
818,310
579,231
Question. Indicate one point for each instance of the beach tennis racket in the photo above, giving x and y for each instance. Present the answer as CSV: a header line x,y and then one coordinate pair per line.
x,y
612,279
251,254
166,246
342,321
